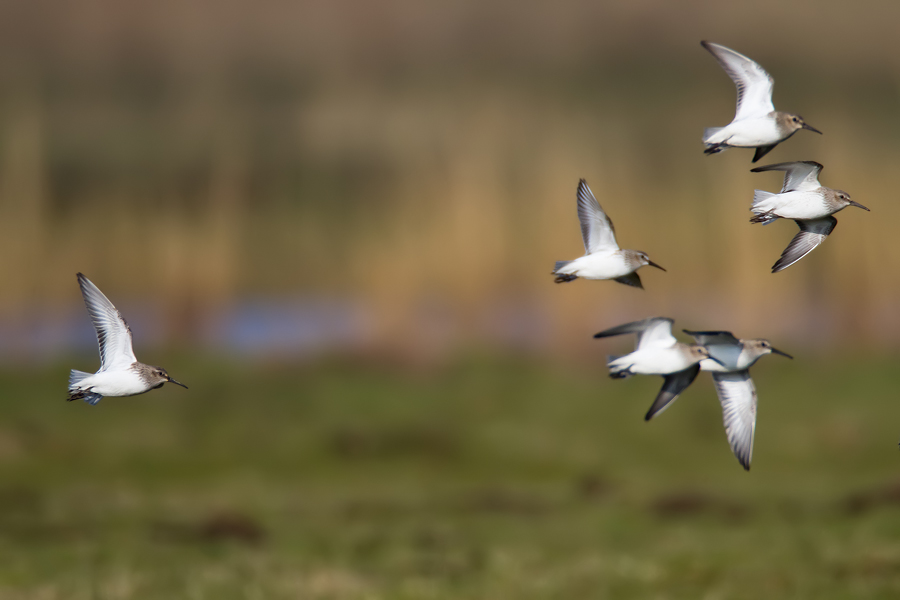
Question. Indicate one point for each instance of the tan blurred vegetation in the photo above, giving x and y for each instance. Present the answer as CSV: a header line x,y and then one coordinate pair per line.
x,y
422,159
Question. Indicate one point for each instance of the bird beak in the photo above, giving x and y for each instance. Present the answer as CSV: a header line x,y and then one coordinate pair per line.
x,y
653,264
858,205
811,128
777,351
170,380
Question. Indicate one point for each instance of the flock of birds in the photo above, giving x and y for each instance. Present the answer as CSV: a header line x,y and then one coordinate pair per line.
x,y
802,198
756,124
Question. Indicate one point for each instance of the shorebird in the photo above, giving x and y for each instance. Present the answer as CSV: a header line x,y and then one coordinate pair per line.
x,y
804,200
657,352
120,372
602,257
736,391
756,123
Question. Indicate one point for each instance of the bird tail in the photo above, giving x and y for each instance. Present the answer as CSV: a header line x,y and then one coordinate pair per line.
x,y
75,393
617,371
762,207
709,132
562,277
76,377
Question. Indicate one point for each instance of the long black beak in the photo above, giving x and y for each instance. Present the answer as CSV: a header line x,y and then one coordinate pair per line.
x,y
170,380
811,128
777,351
653,264
858,205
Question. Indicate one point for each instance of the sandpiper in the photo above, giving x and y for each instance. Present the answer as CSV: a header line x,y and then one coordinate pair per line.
x,y
602,257
804,200
120,372
756,123
736,391
657,352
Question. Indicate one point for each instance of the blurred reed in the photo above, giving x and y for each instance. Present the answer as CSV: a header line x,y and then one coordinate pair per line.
x,y
428,170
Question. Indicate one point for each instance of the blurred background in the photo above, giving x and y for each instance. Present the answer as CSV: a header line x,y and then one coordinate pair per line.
x,y
336,223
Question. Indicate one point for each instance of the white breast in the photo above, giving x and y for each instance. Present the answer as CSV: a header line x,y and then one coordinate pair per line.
x,y
605,265
801,205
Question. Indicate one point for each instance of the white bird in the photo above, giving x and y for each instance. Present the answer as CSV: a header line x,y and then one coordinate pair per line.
x,y
657,352
756,123
736,391
602,257
804,200
120,372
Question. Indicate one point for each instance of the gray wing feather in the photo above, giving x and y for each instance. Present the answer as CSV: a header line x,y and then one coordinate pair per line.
x,y
671,389
113,333
737,394
722,346
799,176
597,230
812,233
753,83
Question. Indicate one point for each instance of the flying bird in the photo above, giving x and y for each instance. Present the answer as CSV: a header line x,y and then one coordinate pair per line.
x,y
657,352
756,123
731,375
120,372
806,201
603,259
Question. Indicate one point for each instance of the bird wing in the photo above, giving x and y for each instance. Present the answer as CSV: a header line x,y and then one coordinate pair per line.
x,y
658,332
754,85
707,338
113,333
674,384
812,233
655,331
799,176
597,230
737,394
632,279
722,345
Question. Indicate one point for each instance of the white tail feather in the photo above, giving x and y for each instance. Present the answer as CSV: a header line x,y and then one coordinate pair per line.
x,y
762,202
76,377
709,132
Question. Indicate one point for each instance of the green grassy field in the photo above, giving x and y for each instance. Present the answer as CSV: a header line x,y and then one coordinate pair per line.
x,y
490,478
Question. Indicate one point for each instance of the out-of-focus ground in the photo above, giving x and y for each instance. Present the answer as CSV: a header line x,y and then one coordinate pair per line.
x,y
336,223
488,478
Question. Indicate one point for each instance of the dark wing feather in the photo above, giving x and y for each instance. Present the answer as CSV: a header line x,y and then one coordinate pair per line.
x,y
674,384
632,279
706,338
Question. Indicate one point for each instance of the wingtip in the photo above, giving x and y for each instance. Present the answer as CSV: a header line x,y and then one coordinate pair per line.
x,y
584,189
